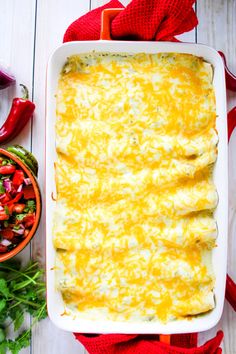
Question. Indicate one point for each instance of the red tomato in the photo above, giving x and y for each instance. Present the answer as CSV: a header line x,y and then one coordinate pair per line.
x,y
18,208
7,233
3,215
29,220
7,169
10,208
3,249
26,232
6,199
18,178
29,192
16,199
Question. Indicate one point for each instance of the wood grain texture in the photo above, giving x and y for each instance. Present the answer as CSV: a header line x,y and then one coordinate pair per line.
x,y
16,52
217,28
32,30
52,19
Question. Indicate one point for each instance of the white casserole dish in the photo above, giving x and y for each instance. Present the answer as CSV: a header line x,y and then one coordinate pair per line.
x,y
54,299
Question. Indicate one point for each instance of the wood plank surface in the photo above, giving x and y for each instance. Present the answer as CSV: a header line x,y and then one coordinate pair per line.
x,y
52,19
32,30
17,25
217,28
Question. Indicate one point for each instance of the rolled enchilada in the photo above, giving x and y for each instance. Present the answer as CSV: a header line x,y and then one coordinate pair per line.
x,y
134,226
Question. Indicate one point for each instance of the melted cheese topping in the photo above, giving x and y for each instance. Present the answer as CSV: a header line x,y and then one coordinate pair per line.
x,y
133,225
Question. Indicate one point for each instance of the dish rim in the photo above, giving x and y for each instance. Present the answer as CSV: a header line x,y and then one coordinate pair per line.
x,y
197,324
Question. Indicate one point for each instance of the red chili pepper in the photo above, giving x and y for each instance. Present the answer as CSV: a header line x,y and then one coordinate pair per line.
x,y
7,169
28,192
29,220
18,178
21,111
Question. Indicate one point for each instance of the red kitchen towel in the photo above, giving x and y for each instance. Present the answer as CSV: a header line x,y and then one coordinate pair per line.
x,y
146,344
140,20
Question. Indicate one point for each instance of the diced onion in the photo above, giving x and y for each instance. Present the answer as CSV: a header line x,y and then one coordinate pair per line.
x,y
5,242
19,232
27,181
19,189
7,185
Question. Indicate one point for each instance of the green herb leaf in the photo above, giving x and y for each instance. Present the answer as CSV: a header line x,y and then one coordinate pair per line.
x,y
31,204
20,216
21,290
2,189
4,288
6,209
3,347
2,304
22,341
18,320
2,335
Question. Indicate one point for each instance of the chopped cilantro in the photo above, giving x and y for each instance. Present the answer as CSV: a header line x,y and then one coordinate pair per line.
x,y
2,189
6,209
30,204
8,162
21,290
20,216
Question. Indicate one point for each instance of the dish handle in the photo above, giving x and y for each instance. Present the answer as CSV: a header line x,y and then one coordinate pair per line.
x,y
107,16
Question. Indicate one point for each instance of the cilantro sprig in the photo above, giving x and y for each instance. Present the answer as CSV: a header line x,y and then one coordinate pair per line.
x,y
22,290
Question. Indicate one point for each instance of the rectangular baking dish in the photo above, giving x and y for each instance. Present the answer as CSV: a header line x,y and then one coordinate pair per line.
x,y
54,299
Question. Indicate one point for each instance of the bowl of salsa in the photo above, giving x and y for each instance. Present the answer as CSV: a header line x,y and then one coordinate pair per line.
x,y
20,200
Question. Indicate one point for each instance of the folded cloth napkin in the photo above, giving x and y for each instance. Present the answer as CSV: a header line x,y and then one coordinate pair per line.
x,y
140,20
147,344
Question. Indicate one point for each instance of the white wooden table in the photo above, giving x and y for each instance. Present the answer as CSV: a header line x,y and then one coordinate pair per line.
x,y
29,32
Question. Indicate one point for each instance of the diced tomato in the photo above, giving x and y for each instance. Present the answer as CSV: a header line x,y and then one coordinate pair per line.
x,y
18,208
3,215
6,199
26,232
16,199
7,233
7,169
3,249
10,208
29,220
29,192
18,178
